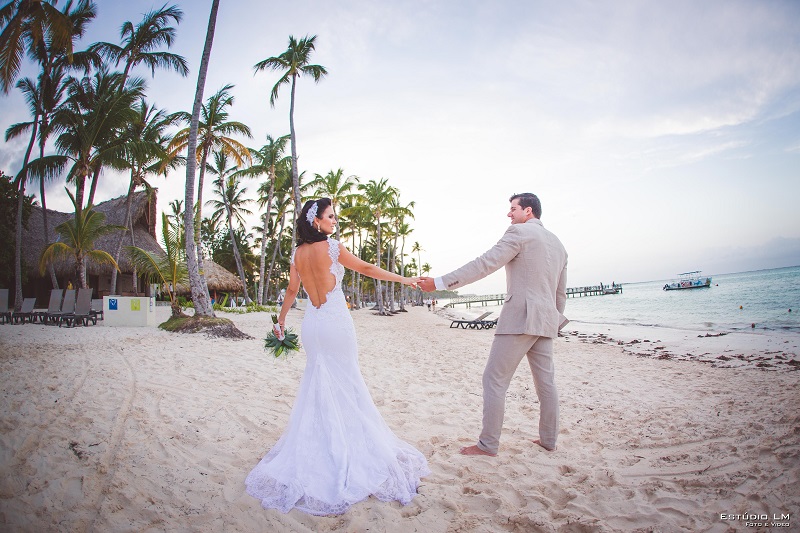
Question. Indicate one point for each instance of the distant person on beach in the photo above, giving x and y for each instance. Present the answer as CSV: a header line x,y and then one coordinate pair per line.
x,y
336,450
532,315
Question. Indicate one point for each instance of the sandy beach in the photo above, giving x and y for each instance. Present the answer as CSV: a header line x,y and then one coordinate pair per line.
x,y
136,429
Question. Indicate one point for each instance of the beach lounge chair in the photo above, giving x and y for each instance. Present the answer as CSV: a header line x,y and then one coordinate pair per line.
x,y
5,312
67,307
476,323
26,312
97,309
54,306
489,324
83,310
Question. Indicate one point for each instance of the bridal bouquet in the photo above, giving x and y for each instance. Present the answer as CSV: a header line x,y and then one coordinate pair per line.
x,y
281,344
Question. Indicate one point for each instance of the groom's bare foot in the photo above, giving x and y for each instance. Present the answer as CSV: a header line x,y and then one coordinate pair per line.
x,y
474,450
537,441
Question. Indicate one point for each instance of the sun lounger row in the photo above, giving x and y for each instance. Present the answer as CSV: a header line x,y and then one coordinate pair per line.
x,y
64,309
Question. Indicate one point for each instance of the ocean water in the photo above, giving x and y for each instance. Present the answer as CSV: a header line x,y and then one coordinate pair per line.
x,y
734,302
765,297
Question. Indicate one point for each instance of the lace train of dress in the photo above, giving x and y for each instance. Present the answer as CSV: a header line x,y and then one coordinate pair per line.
x,y
336,450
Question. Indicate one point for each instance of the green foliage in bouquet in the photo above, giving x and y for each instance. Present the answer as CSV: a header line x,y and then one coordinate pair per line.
x,y
278,347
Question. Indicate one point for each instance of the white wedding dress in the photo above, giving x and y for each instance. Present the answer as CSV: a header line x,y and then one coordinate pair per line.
x,y
336,450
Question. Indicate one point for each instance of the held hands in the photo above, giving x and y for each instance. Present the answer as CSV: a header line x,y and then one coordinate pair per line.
x,y
427,284
414,282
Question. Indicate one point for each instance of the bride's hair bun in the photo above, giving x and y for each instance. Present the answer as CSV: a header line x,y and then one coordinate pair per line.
x,y
307,231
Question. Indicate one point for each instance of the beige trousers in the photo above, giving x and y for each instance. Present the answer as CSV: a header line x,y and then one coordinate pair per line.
x,y
504,358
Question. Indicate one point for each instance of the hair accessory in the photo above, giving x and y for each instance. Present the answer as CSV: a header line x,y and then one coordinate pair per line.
x,y
312,214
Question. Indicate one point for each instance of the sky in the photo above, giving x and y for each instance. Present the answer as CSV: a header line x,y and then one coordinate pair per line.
x,y
661,137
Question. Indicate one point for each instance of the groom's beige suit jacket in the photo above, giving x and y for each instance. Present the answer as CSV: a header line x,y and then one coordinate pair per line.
x,y
536,279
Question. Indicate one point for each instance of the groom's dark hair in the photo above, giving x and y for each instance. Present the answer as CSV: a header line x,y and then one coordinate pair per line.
x,y
308,232
528,199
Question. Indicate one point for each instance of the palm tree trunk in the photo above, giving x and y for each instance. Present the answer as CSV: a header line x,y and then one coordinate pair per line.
x,y
128,208
378,287
93,188
20,182
262,264
295,174
390,284
236,255
275,251
80,186
80,270
200,296
51,270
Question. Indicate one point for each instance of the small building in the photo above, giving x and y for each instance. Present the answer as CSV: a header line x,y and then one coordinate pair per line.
x,y
98,277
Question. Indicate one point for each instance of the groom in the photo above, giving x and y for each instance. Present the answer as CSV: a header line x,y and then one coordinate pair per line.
x,y
532,315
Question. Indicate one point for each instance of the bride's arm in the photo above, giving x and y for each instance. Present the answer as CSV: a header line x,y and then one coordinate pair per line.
x,y
348,260
291,294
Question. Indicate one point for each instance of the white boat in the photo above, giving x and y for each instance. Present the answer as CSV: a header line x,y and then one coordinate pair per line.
x,y
689,280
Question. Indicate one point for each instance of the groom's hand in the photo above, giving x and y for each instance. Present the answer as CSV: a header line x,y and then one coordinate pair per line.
x,y
427,284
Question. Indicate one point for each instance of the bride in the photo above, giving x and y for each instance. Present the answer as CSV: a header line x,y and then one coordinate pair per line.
x,y
336,450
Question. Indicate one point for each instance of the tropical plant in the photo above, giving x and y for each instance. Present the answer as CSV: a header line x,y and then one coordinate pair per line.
x,y
8,223
293,62
78,235
169,269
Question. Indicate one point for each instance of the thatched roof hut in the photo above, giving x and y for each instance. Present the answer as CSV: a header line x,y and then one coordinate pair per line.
x,y
144,216
217,278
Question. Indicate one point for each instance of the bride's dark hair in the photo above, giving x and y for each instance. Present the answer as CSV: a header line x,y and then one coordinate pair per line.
x,y
308,232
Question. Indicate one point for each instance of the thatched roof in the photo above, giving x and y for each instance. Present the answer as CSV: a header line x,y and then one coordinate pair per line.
x,y
143,214
217,278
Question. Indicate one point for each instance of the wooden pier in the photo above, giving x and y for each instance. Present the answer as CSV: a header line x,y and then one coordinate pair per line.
x,y
595,290
482,301
498,299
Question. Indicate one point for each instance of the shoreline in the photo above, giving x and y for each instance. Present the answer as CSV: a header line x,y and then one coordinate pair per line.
x,y
769,350
114,429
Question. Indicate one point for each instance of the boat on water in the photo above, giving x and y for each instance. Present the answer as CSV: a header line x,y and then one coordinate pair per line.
x,y
689,280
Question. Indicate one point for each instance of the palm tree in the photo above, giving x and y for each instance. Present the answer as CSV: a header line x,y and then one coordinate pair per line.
x,y
378,196
231,206
335,186
396,214
77,240
293,62
91,124
145,153
268,158
26,24
170,269
139,43
403,230
213,134
200,296
416,247
283,203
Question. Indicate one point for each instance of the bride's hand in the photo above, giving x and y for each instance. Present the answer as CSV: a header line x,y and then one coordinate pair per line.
x,y
414,282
